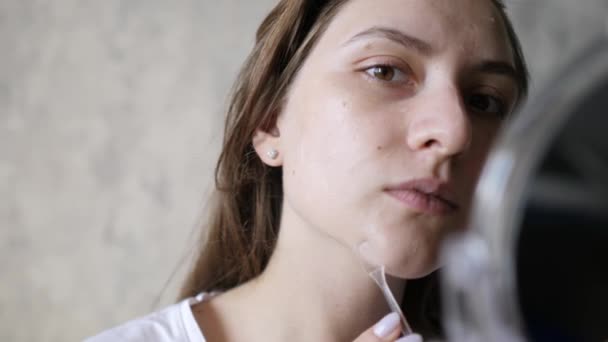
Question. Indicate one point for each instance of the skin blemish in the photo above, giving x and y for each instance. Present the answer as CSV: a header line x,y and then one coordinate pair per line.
x,y
379,148
492,19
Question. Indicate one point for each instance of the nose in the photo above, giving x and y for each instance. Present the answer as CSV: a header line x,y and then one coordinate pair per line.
x,y
440,123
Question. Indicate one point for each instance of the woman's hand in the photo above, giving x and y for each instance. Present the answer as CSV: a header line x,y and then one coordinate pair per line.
x,y
387,329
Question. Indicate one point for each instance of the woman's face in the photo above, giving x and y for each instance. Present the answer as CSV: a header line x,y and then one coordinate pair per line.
x,y
388,122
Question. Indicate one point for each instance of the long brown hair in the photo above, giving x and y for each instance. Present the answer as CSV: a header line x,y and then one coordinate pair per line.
x,y
243,225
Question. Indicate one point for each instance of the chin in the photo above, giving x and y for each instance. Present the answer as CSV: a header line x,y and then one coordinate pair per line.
x,y
410,273
412,266
405,256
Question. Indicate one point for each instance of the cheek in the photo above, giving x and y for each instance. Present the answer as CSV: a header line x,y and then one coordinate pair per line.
x,y
333,157
483,140
322,139
471,165
333,135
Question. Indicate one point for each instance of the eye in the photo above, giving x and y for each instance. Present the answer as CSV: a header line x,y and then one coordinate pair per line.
x,y
387,73
484,103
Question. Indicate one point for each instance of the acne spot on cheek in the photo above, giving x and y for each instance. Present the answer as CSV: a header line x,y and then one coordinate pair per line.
x,y
379,148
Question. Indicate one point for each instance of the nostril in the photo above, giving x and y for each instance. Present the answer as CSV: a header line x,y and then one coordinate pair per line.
x,y
430,143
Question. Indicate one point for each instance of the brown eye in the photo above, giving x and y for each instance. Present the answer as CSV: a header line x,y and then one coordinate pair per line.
x,y
387,73
486,104
384,73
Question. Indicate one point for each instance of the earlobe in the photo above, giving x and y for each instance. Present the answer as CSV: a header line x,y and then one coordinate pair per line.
x,y
267,146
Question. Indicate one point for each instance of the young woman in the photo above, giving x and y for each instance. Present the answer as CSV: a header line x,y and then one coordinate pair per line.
x,y
355,135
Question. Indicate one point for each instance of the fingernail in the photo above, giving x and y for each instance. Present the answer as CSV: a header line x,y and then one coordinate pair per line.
x,y
410,338
387,325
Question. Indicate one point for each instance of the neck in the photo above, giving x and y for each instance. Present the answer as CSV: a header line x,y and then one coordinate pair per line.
x,y
313,289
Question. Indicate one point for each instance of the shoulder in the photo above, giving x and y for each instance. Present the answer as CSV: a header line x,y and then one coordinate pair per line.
x,y
172,324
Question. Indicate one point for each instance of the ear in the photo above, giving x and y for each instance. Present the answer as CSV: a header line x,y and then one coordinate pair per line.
x,y
267,145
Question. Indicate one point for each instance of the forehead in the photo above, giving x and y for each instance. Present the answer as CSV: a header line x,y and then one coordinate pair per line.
x,y
472,27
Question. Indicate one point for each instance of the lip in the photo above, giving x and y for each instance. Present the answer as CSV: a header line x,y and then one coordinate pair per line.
x,y
426,195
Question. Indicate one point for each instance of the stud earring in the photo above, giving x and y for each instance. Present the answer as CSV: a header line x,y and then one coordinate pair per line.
x,y
272,154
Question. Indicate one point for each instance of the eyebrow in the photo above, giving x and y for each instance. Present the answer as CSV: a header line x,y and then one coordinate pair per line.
x,y
397,36
498,68
487,67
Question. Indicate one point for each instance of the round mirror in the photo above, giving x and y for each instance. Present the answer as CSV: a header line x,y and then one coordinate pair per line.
x,y
534,264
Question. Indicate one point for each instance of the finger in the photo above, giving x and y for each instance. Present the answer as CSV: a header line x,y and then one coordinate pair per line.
x,y
410,338
387,329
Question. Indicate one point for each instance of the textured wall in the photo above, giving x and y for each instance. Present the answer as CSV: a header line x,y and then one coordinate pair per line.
x,y
554,31
110,121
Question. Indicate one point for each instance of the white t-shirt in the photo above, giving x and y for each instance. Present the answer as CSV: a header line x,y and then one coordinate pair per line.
x,y
175,323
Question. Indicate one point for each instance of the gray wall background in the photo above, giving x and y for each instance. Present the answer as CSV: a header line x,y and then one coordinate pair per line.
x,y
110,122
